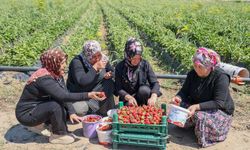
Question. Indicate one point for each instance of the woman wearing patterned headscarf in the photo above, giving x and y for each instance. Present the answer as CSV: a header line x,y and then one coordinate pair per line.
x,y
90,71
206,94
135,81
43,98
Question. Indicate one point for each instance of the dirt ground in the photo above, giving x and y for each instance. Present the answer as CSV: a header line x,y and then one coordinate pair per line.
x,y
15,137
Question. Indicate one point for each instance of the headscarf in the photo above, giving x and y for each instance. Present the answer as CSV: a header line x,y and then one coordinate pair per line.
x,y
132,47
206,57
51,61
90,48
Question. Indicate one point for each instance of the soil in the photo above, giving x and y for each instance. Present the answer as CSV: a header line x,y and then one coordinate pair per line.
x,y
15,136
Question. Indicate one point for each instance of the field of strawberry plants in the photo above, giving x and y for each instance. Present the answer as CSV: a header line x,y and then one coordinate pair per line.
x,y
171,28
118,32
180,27
30,27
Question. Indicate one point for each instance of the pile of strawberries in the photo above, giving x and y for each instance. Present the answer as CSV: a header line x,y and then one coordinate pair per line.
x,y
92,119
140,114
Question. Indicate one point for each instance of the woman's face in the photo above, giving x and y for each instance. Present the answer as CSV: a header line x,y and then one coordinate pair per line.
x,y
95,58
62,68
201,70
135,60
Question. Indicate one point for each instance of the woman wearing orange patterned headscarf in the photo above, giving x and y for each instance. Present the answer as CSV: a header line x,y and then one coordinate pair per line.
x,y
43,97
206,95
52,65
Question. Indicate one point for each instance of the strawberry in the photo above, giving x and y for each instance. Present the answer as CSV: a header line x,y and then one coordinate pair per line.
x,y
92,119
178,124
105,127
102,95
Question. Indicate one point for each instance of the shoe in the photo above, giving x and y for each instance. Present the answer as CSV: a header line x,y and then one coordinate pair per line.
x,y
40,129
73,135
61,139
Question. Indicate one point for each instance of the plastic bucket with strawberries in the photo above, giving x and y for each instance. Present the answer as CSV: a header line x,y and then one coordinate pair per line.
x,y
177,115
111,112
89,124
104,131
106,120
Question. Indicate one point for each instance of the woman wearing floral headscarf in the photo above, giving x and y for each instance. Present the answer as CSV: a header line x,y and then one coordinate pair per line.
x,y
90,71
135,81
206,94
43,97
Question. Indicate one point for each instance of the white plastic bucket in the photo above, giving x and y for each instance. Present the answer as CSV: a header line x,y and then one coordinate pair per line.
x,y
107,119
177,115
234,70
104,137
111,112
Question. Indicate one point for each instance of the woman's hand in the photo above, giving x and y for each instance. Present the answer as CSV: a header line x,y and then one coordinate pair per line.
x,y
102,64
176,101
108,75
97,96
99,65
152,99
193,109
74,118
131,100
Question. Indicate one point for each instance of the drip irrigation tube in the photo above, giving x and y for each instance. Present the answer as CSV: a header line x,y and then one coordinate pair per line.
x,y
161,76
18,69
171,76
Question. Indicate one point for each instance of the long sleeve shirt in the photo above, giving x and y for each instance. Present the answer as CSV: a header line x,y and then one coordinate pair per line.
x,y
82,78
146,76
44,89
211,92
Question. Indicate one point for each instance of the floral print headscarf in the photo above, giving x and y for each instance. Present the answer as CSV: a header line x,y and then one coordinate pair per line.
x,y
90,48
51,61
132,47
206,57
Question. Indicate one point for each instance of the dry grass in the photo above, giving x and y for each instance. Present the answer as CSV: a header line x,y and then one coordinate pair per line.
x,y
10,92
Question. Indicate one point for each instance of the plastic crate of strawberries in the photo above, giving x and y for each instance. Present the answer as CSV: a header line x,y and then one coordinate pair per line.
x,y
141,119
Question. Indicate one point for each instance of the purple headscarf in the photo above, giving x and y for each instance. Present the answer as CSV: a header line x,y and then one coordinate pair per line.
x,y
90,48
206,57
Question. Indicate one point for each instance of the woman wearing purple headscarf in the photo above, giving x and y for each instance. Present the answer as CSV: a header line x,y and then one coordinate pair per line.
x,y
206,94
135,81
90,71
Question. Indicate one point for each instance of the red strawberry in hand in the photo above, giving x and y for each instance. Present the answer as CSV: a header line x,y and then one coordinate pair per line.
x,y
102,95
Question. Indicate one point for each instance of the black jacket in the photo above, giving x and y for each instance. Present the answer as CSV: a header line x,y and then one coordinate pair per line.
x,y
45,89
146,76
211,92
80,78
